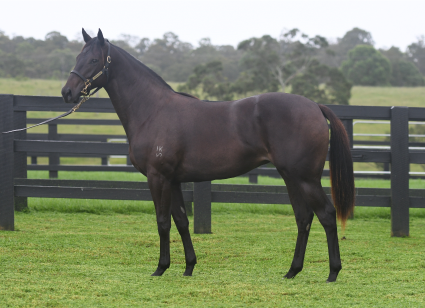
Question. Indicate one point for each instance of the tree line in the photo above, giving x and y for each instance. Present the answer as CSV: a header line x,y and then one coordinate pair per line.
x,y
311,66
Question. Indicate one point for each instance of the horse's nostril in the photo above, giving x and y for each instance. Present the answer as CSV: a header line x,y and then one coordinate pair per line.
x,y
67,94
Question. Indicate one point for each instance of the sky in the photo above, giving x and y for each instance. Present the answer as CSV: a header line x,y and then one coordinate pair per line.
x,y
391,22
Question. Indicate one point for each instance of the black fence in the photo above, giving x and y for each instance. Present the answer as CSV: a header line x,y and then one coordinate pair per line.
x,y
15,188
54,165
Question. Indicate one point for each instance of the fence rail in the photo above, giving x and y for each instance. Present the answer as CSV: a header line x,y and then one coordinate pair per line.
x,y
15,188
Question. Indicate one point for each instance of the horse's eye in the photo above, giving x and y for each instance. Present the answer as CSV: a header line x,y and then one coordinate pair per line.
x,y
94,61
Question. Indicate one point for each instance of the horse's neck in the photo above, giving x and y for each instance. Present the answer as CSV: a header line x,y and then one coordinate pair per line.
x,y
134,92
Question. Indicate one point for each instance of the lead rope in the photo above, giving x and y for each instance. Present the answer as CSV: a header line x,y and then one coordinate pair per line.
x,y
73,109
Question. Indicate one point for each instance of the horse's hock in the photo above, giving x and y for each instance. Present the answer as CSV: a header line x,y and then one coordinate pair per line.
x,y
15,188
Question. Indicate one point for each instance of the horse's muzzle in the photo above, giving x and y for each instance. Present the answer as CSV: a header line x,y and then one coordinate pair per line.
x,y
67,95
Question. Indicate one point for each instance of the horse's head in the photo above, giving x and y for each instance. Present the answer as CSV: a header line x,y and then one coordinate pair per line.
x,y
93,59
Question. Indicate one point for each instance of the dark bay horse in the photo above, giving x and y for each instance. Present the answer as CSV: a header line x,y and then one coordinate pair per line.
x,y
174,138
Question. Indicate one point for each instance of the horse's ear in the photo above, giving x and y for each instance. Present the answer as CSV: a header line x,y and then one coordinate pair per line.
x,y
86,36
100,37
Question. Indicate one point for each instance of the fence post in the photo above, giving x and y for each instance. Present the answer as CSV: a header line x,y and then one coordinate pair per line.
x,y
54,159
348,124
399,171
20,158
7,218
253,177
202,207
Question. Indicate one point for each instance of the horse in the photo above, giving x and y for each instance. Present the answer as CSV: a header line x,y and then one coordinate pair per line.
x,y
175,138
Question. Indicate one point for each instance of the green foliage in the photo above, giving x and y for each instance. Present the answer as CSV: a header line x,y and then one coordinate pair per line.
x,y
403,72
322,84
260,58
52,58
175,60
337,51
270,63
406,74
210,78
416,54
366,66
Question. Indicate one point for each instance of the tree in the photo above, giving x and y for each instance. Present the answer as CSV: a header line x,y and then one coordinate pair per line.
x,y
322,84
209,77
403,72
416,54
353,38
56,39
167,56
338,52
366,66
276,63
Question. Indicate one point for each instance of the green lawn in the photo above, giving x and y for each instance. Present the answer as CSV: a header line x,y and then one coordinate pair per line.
x,y
85,260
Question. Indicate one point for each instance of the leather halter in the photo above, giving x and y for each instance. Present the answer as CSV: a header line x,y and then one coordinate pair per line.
x,y
87,82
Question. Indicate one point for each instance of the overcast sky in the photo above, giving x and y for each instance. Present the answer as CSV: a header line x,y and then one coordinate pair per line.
x,y
392,23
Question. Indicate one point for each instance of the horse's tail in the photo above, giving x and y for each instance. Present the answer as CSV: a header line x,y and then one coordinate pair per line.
x,y
341,167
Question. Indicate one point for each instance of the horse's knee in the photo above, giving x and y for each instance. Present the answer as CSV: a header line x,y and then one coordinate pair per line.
x,y
164,228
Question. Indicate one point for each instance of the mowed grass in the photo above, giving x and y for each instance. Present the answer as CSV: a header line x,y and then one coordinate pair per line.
x,y
84,260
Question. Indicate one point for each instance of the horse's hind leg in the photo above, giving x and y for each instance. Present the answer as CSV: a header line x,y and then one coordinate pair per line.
x,y
182,224
310,194
304,217
327,217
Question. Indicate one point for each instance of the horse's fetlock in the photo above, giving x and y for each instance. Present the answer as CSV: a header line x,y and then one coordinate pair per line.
x,y
191,261
164,265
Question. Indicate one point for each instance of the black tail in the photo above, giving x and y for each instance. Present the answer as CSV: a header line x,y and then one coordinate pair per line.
x,y
341,167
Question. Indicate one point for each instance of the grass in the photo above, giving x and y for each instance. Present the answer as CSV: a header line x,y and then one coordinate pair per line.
x,y
84,260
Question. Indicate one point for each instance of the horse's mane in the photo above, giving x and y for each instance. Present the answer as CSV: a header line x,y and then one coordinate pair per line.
x,y
151,72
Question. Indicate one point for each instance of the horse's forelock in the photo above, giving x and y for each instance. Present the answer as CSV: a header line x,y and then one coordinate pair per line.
x,y
89,45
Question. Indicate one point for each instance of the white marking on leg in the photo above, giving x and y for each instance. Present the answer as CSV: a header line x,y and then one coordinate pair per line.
x,y
182,209
308,227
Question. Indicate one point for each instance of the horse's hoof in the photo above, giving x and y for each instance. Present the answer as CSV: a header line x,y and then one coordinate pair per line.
x,y
158,272
332,277
291,274
189,270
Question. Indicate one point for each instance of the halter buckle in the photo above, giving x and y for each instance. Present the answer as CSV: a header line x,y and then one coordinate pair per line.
x,y
87,84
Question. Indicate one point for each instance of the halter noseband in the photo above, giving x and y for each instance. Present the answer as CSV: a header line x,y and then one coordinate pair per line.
x,y
88,82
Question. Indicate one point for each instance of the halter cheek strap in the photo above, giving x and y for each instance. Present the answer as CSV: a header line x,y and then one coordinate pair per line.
x,y
87,82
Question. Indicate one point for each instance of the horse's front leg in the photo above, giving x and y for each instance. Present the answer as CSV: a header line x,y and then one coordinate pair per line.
x,y
182,223
161,194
